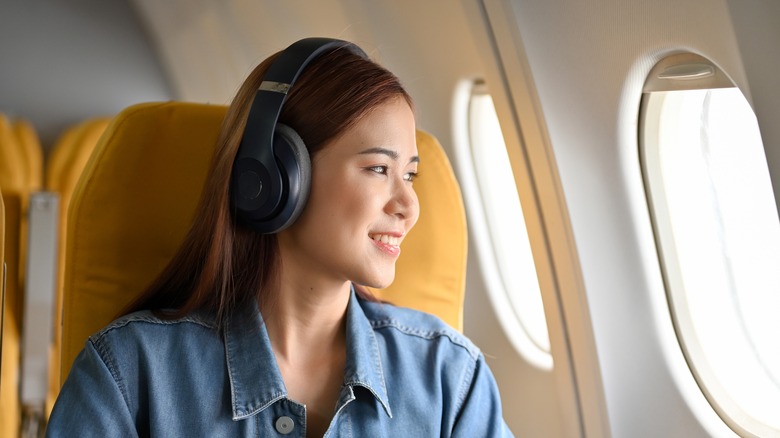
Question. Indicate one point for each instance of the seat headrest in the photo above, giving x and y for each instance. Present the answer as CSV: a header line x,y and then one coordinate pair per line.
x,y
13,177
31,151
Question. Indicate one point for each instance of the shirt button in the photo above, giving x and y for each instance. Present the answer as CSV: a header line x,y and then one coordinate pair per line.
x,y
284,425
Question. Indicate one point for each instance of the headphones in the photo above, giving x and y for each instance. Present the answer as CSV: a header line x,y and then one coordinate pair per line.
x,y
271,175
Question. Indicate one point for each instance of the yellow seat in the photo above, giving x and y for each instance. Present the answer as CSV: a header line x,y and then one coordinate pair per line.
x,y
134,203
2,276
32,153
15,188
66,162
70,154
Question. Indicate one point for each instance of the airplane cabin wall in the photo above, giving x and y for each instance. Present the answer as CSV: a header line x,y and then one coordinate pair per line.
x,y
63,62
589,61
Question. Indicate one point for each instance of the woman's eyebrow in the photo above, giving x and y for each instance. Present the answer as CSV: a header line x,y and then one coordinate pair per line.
x,y
390,153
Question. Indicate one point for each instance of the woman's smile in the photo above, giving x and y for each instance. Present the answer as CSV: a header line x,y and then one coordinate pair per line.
x,y
389,243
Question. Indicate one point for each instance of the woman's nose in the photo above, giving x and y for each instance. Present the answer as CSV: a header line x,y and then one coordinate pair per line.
x,y
403,202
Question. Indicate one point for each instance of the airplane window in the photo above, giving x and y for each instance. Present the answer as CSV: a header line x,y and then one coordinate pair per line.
x,y
719,235
505,251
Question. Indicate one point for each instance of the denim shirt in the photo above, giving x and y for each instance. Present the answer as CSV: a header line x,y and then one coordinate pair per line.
x,y
407,375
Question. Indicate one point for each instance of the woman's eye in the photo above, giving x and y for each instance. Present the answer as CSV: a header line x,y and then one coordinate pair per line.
x,y
382,170
411,176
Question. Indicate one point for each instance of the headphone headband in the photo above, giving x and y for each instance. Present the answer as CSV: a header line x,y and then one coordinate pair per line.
x,y
259,187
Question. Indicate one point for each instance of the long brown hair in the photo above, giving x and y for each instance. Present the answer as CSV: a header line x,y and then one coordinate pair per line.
x,y
222,264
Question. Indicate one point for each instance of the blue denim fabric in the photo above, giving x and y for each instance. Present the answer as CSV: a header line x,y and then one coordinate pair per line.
x,y
407,375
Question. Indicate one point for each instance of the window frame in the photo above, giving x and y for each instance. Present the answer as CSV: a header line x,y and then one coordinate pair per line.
x,y
506,311
693,72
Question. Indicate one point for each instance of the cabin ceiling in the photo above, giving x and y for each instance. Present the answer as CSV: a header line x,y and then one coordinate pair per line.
x,y
207,48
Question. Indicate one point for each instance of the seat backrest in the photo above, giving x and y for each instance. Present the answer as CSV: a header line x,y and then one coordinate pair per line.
x,y
66,162
14,186
2,277
137,197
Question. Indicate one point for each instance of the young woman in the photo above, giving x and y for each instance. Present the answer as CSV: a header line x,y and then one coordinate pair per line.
x,y
261,327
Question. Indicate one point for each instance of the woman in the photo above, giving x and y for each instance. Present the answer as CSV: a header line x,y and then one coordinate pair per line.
x,y
260,325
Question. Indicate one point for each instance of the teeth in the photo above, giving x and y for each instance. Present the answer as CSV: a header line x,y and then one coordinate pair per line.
x,y
386,239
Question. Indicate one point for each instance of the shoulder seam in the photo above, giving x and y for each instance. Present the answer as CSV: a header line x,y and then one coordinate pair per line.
x,y
453,337
149,319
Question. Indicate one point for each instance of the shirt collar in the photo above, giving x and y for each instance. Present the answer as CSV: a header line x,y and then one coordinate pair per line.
x,y
364,360
255,379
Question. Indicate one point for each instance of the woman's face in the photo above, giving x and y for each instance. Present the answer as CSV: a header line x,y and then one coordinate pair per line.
x,y
362,203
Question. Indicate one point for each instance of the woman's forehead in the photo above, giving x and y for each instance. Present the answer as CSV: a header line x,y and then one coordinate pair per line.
x,y
387,130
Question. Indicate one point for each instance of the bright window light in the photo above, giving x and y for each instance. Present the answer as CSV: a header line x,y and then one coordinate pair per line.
x,y
719,235
503,246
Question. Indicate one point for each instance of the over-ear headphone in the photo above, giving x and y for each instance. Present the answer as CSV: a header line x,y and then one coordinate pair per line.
x,y
271,176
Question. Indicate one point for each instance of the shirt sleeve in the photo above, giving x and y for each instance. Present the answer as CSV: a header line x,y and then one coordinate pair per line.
x,y
91,403
480,413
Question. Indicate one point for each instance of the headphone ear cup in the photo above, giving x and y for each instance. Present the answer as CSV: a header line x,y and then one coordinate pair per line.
x,y
293,158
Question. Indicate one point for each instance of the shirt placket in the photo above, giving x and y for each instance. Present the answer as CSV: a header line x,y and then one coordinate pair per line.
x,y
285,418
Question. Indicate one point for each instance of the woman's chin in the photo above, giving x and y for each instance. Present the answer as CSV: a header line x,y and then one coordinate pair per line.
x,y
378,281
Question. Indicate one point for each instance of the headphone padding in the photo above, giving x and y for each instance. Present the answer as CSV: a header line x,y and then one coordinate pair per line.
x,y
296,195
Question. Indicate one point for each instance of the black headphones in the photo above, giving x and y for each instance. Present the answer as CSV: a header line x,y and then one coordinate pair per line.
x,y
271,176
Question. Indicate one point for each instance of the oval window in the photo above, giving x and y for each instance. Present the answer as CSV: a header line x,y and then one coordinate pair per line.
x,y
718,234
503,247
